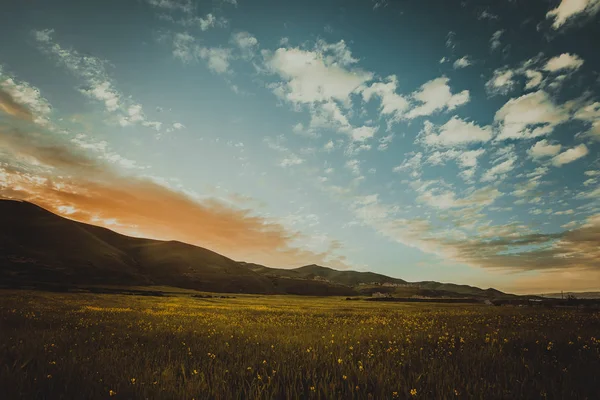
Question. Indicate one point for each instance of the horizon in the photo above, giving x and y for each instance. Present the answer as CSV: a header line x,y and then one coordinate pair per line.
x,y
426,142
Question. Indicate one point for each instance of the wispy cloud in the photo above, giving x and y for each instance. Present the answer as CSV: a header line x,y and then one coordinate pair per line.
x,y
98,85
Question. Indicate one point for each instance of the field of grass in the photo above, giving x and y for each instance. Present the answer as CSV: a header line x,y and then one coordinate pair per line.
x,y
88,346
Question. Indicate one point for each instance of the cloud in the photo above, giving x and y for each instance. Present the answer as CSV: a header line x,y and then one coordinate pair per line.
x,y
569,9
543,149
495,39
89,191
534,79
435,96
319,75
329,115
462,62
564,61
385,141
184,6
501,82
217,58
499,171
244,40
590,113
485,14
529,116
393,105
570,155
412,164
466,159
455,132
23,101
186,49
289,158
450,42
98,84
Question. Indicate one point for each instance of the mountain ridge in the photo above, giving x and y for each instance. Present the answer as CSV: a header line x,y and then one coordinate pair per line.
x,y
37,245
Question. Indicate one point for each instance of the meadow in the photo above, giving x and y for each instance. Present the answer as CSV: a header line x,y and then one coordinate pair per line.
x,y
96,346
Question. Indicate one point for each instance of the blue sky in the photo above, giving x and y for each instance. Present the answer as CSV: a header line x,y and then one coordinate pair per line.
x,y
449,141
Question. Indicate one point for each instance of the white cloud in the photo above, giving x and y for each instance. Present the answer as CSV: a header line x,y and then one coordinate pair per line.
x,y
543,149
564,61
529,116
362,133
354,166
244,40
412,164
467,160
207,22
392,104
217,58
315,76
185,6
435,96
455,132
568,9
329,115
534,79
99,85
26,95
499,171
570,155
590,113
485,14
385,141
289,158
462,62
495,39
502,82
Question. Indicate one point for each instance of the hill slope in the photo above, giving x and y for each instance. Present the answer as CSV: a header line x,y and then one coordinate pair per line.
x,y
39,246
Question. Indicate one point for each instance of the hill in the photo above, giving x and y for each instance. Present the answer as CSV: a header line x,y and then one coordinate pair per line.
x,y
37,246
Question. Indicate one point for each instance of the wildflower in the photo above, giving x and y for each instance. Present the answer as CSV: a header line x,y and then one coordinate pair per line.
x,y
340,361
456,392
344,377
195,372
413,392
49,376
132,381
312,389
394,394
112,393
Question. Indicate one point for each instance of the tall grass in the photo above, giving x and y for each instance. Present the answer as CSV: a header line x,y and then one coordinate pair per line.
x,y
80,346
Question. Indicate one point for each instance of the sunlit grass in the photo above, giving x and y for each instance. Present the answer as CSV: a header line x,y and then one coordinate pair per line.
x,y
100,346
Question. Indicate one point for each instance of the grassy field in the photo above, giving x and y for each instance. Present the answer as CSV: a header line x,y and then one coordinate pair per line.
x,y
61,345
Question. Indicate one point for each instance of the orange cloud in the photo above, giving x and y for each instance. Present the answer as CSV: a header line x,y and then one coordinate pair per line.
x,y
12,108
71,184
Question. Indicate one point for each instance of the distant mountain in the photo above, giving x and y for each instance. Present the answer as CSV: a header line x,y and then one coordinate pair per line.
x,y
316,272
367,283
37,246
578,295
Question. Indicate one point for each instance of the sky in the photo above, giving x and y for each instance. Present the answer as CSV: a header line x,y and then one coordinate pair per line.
x,y
426,140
